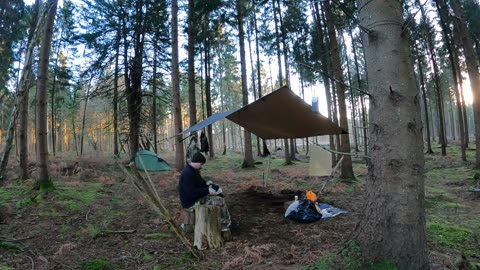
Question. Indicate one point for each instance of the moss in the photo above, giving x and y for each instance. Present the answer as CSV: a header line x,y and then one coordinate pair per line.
x,y
77,198
148,258
10,247
11,193
350,258
348,180
157,235
6,268
451,236
454,205
98,264
349,189
44,185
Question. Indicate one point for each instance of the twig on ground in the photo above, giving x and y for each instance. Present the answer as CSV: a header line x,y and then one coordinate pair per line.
x,y
33,263
108,232
5,239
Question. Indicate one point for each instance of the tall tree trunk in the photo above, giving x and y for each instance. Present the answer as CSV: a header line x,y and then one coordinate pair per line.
x,y
154,93
292,142
360,86
23,92
248,159
286,149
443,13
325,68
472,66
177,109
43,182
192,101
84,117
259,76
436,79
208,96
115,96
393,223
134,96
352,96
424,98
347,168
259,153
53,120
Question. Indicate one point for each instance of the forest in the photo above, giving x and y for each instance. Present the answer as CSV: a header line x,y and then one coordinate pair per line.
x,y
86,84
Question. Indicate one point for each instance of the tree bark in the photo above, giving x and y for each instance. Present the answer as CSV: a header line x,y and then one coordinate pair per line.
x,y
23,93
248,158
393,223
207,227
436,79
472,66
424,98
134,96
177,109
192,101
347,169
115,96
325,68
43,182
208,96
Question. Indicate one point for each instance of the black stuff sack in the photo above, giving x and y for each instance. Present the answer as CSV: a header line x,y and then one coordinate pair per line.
x,y
303,211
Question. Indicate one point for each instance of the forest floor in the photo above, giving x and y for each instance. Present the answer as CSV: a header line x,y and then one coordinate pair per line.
x,y
96,219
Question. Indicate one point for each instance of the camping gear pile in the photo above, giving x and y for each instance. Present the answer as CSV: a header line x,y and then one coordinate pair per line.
x,y
307,209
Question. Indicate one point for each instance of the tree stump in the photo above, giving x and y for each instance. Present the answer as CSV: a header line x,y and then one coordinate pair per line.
x,y
207,227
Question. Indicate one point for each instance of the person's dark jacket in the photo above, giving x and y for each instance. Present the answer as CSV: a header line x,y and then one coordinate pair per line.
x,y
191,186
204,141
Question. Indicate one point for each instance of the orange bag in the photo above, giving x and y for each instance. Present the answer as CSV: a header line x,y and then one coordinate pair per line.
x,y
311,196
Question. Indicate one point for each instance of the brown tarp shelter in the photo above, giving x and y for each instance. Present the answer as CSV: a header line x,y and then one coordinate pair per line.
x,y
279,115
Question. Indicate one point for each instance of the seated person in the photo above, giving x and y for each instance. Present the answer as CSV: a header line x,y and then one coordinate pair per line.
x,y
193,189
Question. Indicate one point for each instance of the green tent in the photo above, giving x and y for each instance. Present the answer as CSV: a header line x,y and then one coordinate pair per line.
x,y
152,161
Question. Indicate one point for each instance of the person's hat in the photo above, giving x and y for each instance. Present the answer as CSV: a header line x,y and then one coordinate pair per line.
x,y
198,158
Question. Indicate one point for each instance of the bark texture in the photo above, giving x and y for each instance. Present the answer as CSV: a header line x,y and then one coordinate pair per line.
x,y
347,169
393,223
472,66
43,180
248,158
177,109
207,227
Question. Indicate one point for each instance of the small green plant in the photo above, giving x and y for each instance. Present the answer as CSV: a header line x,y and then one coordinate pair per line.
x,y
98,264
349,189
10,247
148,258
92,231
157,267
6,268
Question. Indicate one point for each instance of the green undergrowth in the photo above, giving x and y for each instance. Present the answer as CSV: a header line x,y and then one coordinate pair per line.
x,y
10,247
6,268
12,194
349,258
452,236
99,264
77,198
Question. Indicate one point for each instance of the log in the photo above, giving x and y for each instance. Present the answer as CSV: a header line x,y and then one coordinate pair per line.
x,y
207,227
